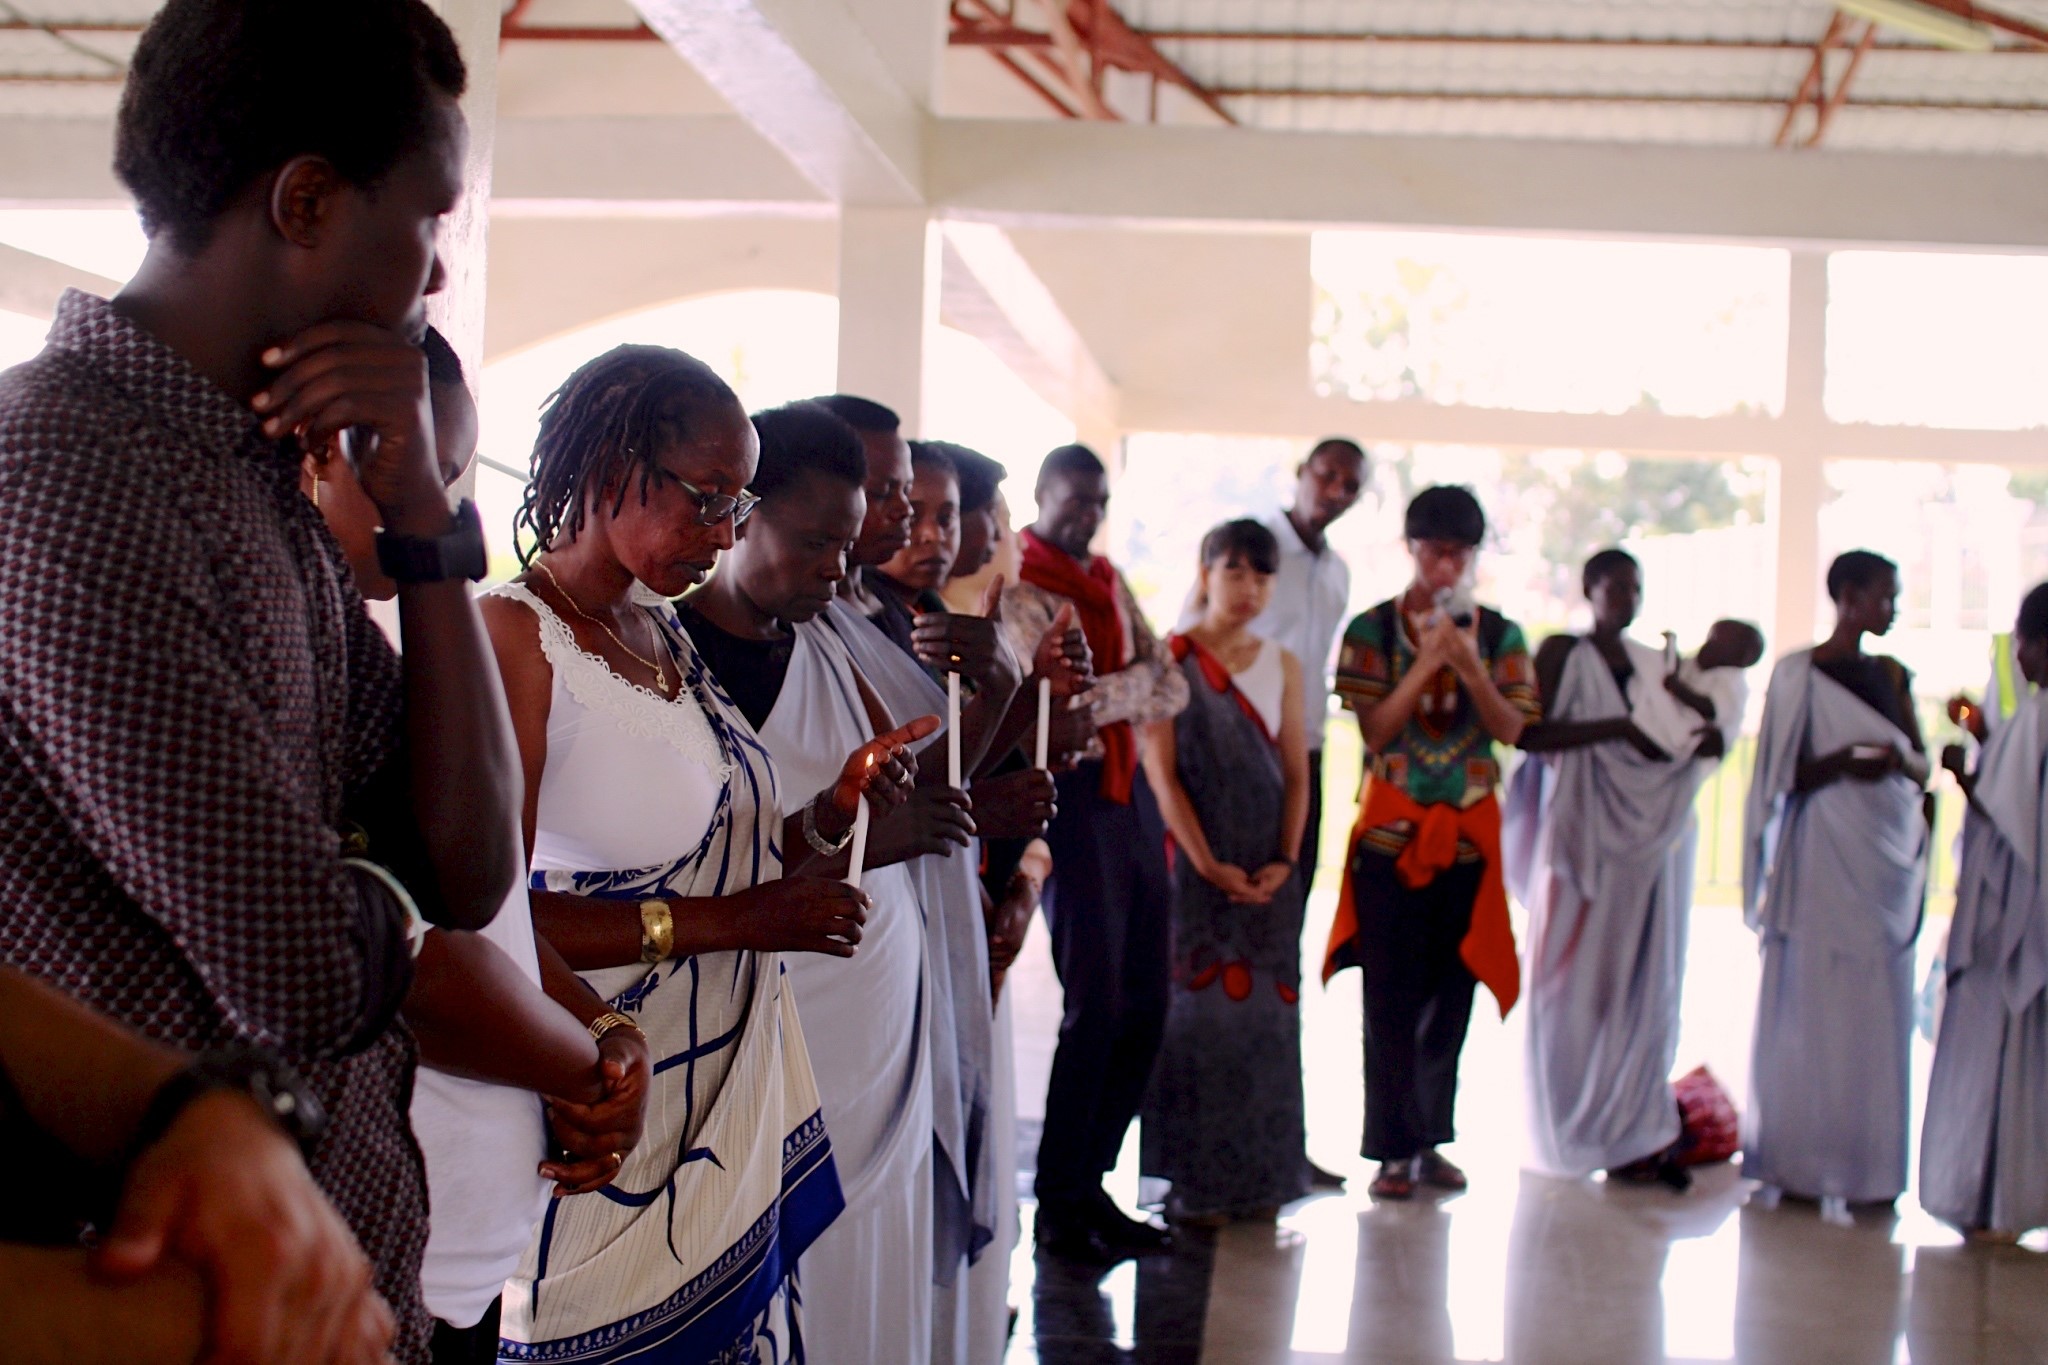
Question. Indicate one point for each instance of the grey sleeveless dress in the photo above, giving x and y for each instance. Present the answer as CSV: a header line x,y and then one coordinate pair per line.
x,y
1223,1117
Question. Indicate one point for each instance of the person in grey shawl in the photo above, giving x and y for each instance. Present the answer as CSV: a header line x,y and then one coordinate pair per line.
x,y
1982,1166
1594,836
1833,879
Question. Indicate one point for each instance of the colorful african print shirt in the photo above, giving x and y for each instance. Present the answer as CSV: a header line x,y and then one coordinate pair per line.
x,y
1444,756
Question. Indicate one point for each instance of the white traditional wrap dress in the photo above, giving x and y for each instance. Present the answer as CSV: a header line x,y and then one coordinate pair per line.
x,y
1984,1149
969,1317
1595,850
690,1255
1833,884
867,1283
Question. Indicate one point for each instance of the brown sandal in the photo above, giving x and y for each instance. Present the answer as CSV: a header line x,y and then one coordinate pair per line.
x,y
1440,1173
1395,1181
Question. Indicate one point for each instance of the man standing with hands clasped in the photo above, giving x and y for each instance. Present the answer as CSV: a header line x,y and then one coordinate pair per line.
x,y
1435,682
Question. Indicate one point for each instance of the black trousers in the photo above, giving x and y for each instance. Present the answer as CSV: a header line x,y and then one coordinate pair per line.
x,y
1418,1002
476,1345
1109,908
1312,837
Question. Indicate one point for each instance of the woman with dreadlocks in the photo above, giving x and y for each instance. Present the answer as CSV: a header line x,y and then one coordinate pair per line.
x,y
655,834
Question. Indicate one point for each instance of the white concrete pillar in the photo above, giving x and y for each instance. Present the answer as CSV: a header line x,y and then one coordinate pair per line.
x,y
459,310
1800,486
888,306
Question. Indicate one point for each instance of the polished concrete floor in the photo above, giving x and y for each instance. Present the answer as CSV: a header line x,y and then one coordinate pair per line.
x,y
1523,1268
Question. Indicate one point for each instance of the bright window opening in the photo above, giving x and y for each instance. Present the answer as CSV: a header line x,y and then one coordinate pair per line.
x,y
1550,326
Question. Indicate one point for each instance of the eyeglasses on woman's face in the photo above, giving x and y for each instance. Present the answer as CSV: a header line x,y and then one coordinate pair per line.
x,y
712,508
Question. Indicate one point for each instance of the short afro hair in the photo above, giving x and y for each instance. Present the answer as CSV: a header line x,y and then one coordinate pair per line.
x,y
979,475
1607,562
1445,512
1243,541
2033,622
1068,461
934,455
1856,569
806,438
862,414
221,93
1339,445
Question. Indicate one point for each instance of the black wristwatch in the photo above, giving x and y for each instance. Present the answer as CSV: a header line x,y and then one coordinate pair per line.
x,y
244,1070
457,552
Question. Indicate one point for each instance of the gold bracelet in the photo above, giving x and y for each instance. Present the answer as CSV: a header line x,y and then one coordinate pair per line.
x,y
611,1021
657,931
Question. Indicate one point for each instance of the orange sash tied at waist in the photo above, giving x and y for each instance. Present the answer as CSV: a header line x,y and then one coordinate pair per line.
x,y
1488,949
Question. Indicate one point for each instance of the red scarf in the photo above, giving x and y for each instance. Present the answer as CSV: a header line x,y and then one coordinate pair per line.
x,y
1219,678
1093,591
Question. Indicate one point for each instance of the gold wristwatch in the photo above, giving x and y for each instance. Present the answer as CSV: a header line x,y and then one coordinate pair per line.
x,y
657,930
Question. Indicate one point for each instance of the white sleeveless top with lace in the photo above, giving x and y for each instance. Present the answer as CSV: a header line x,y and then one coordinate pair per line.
x,y
690,1251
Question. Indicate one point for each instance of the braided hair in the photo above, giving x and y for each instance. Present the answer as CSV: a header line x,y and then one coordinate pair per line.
x,y
613,416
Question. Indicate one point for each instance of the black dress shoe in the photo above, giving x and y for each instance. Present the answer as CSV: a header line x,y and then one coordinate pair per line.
x,y
1120,1233
1320,1179
1069,1234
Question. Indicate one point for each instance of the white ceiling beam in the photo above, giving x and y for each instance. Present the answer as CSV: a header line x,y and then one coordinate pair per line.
x,y
715,158
808,77
1067,173
586,165
1056,171
32,284
1408,422
59,163
991,292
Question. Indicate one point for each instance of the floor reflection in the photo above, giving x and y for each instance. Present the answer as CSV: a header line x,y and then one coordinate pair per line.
x,y
1524,1268
1148,1311
1584,1273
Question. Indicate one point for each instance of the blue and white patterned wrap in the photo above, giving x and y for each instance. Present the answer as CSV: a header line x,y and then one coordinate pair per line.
x,y
690,1255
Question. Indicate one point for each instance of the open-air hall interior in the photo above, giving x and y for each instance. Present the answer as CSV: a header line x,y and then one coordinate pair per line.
x,y
1198,235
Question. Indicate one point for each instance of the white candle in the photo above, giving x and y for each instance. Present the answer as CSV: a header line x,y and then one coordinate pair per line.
x,y
858,858
1044,721
953,731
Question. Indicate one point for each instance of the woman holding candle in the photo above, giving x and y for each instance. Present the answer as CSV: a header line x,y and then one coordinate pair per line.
x,y
655,829
965,1326
1981,1167
867,1283
1834,878
1223,1120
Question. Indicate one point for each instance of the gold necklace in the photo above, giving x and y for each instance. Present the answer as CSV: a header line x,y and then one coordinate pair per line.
x,y
660,678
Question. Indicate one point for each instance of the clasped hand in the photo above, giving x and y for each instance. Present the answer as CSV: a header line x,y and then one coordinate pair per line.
x,y
596,1138
1253,888
225,1191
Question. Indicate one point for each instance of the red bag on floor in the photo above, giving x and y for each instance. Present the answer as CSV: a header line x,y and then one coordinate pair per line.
x,y
1709,1130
